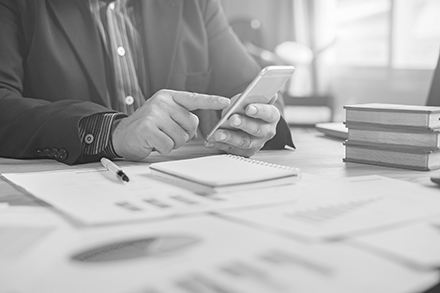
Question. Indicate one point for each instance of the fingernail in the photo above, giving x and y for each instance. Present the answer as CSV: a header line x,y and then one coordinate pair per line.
x,y
224,101
236,121
220,136
252,110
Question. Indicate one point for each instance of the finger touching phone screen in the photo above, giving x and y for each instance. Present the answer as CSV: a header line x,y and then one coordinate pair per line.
x,y
262,89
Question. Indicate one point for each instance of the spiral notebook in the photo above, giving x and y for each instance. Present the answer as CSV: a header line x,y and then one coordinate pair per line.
x,y
223,173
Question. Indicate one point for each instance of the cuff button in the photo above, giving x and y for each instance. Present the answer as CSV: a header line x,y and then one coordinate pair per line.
x,y
62,154
89,139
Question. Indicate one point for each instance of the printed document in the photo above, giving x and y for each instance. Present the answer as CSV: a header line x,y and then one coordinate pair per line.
x,y
97,196
206,254
365,204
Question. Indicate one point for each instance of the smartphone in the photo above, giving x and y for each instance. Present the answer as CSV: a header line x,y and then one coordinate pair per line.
x,y
262,89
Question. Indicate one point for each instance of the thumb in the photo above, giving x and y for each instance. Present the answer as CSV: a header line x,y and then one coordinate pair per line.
x,y
194,101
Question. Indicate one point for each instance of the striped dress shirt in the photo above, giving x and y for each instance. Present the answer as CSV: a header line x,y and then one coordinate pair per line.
x,y
120,28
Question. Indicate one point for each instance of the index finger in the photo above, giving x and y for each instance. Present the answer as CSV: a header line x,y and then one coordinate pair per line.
x,y
194,101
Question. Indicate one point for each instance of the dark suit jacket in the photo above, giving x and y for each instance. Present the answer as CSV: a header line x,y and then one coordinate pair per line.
x,y
52,68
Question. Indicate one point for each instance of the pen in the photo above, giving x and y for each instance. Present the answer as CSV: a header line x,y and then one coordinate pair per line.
x,y
112,167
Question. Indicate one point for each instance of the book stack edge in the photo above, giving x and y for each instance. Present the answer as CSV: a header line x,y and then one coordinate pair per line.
x,y
393,135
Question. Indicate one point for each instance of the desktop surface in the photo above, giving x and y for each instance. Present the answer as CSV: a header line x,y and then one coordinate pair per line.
x,y
316,154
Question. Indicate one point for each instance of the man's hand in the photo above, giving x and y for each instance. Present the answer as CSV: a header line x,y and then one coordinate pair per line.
x,y
249,132
164,123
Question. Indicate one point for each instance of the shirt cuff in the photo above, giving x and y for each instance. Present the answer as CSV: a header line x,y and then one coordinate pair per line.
x,y
95,135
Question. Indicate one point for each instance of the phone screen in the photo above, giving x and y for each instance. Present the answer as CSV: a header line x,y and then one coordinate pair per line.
x,y
262,89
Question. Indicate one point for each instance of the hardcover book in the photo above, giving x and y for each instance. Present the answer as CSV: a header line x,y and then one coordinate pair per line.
x,y
423,159
394,114
406,136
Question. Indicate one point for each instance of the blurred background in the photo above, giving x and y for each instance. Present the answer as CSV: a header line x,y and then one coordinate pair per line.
x,y
345,51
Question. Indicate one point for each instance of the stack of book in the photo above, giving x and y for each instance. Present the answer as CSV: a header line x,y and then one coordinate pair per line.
x,y
403,136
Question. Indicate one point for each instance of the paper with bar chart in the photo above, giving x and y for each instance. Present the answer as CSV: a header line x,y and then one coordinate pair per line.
x,y
365,204
179,255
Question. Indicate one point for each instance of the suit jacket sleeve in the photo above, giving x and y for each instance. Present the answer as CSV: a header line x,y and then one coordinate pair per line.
x,y
32,126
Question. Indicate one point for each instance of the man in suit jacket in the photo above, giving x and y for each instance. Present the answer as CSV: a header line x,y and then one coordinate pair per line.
x,y
80,79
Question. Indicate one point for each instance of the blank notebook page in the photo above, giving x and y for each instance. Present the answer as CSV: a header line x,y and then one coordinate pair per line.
x,y
223,170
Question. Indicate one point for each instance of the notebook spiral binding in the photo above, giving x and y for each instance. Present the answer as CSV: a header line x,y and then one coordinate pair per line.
x,y
252,161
